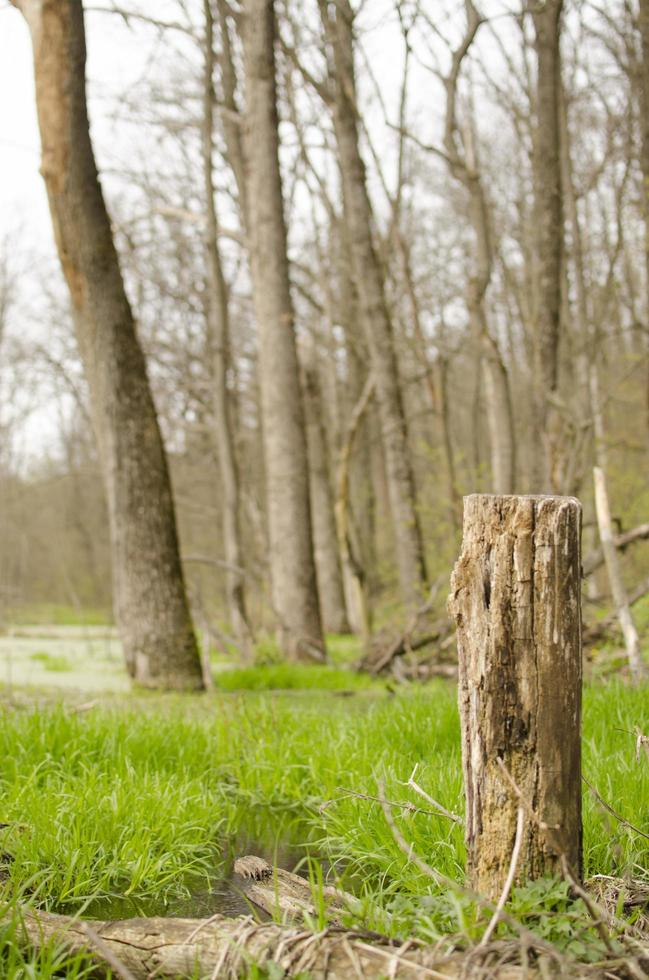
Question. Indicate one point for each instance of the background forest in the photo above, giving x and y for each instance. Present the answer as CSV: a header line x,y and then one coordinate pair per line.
x,y
476,321
318,270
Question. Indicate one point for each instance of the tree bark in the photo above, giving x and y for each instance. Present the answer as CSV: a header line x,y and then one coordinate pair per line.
x,y
325,539
549,235
218,338
377,324
515,596
293,575
149,593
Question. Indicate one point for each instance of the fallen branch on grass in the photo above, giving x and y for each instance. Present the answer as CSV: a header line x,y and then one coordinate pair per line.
x,y
381,658
596,631
139,949
224,948
595,559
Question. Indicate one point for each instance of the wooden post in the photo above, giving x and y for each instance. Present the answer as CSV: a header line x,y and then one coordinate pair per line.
x,y
515,597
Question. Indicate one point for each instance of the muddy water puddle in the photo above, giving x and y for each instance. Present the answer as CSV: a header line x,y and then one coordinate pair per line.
x,y
224,896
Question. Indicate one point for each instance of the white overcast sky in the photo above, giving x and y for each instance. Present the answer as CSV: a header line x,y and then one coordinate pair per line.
x,y
120,58
117,57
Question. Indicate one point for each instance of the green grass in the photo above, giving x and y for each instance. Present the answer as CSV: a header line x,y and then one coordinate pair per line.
x,y
292,677
145,797
50,661
51,614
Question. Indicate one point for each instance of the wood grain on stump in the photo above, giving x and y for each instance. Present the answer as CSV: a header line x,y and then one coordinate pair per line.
x,y
515,597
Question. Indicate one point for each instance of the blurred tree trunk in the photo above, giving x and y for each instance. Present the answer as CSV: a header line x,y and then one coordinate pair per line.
x,y
360,562
644,153
218,329
231,117
325,539
293,575
464,165
370,286
149,592
549,236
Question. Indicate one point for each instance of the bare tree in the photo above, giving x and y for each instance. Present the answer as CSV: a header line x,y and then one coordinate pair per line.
x,y
325,540
549,223
293,575
218,329
462,157
149,593
340,92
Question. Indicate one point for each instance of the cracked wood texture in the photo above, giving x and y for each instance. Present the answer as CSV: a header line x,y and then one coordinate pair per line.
x,y
515,597
226,949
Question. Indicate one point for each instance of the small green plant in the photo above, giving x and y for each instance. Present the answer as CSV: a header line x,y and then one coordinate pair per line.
x,y
267,651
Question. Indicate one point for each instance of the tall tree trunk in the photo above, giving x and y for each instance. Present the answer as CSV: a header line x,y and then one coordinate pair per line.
x,y
359,559
231,115
218,329
644,155
325,539
293,576
149,592
370,286
463,162
549,224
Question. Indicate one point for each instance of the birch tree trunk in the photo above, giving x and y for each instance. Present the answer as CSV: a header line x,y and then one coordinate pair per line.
x,y
620,598
148,587
516,599
218,330
378,327
293,575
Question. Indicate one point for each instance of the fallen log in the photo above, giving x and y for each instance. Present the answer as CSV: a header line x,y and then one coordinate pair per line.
x,y
281,892
218,947
595,559
595,631
228,949
381,658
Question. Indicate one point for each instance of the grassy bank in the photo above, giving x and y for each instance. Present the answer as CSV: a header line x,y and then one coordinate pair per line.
x,y
146,800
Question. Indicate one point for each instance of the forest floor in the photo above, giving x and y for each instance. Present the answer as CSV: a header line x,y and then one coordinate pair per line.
x,y
119,804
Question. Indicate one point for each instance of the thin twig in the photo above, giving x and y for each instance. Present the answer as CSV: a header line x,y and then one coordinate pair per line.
x,y
614,813
509,881
441,879
113,961
409,807
429,799
594,910
403,844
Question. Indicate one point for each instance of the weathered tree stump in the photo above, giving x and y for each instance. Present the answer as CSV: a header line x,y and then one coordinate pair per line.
x,y
515,597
